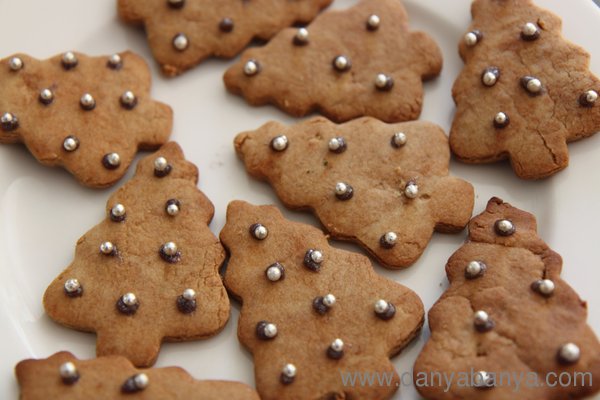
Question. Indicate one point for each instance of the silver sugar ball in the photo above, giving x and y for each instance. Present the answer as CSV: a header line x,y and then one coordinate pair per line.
x,y
329,300
534,85
68,371
483,380
373,22
118,210
274,273
301,36
472,38
113,159
529,30
161,164
411,190
180,42
270,330
260,232
189,294
545,286
337,345
481,318
69,60
170,248
381,306
172,209
115,61
71,143
251,68
141,381
46,96
289,370
129,299
279,143
128,99
341,63
15,63
504,227
316,256
383,82
389,239
474,269
72,285
87,102
569,353
107,248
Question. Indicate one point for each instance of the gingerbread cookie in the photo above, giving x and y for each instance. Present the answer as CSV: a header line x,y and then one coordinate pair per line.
x,y
507,311
346,64
182,33
525,91
62,376
310,311
351,175
149,271
89,115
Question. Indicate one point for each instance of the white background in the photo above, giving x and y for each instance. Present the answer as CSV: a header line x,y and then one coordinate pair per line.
x,y
43,211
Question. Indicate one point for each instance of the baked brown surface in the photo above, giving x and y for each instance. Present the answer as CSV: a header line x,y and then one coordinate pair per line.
x,y
301,78
529,327
540,125
212,28
109,127
305,175
103,378
303,334
137,266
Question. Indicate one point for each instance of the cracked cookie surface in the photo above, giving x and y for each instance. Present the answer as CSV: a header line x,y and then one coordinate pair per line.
x,y
507,311
517,63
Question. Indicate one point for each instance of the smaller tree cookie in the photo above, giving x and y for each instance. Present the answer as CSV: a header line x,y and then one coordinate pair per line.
x,y
508,315
346,64
149,271
312,312
182,33
383,186
525,91
62,376
89,115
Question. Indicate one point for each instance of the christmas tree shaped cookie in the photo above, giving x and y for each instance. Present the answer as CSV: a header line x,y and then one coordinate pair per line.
x,y
507,311
89,115
182,33
384,186
62,376
346,64
149,271
525,91
312,312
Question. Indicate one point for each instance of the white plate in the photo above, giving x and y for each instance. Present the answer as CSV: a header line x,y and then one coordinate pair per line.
x,y
44,211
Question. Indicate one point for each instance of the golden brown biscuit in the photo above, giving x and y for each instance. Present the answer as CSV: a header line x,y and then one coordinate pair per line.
x,y
149,271
383,186
312,312
182,33
525,91
508,314
89,115
346,64
62,376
